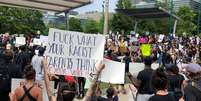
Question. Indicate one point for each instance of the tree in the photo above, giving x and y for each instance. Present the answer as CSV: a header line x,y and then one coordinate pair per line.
x,y
90,26
101,25
124,4
157,26
21,21
75,24
121,22
186,23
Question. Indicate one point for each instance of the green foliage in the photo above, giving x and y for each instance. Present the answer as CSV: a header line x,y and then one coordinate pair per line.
x,y
162,3
186,23
75,24
21,21
157,26
90,26
101,25
121,22
122,4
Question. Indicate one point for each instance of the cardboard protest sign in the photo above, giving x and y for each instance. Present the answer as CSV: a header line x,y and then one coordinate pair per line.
x,y
20,41
43,38
17,82
113,72
145,49
37,41
133,39
73,53
160,39
135,68
181,47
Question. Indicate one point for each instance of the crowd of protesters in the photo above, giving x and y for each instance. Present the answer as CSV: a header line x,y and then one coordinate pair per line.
x,y
168,83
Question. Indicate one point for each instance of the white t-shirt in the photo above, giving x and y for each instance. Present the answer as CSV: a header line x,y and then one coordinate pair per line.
x,y
37,63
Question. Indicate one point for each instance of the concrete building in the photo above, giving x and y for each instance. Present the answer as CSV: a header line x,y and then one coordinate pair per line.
x,y
193,4
92,15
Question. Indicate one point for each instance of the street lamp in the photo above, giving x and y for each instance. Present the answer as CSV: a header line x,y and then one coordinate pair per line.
x,y
170,18
106,17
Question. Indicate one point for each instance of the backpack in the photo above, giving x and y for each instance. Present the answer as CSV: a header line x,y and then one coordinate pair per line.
x,y
5,78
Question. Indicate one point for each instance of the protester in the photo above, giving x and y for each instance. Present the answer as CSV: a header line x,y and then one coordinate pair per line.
x,y
111,94
37,63
120,48
192,91
69,95
160,85
81,83
22,57
143,82
29,91
175,81
8,70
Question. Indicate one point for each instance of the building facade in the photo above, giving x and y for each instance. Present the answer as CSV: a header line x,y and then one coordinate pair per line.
x,y
193,4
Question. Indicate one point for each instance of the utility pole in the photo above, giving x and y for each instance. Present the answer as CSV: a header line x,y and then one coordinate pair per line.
x,y
106,17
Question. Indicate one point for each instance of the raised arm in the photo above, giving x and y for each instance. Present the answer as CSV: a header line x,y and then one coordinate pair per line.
x,y
47,81
133,80
93,85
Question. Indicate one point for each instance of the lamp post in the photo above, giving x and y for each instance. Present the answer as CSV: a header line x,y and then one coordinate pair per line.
x,y
170,18
106,17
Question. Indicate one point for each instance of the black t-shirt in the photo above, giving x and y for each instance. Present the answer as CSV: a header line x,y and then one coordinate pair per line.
x,y
191,93
23,59
162,98
145,77
175,81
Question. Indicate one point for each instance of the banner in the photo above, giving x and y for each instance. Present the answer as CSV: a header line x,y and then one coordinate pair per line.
x,y
73,53
113,72
135,68
20,41
17,82
145,49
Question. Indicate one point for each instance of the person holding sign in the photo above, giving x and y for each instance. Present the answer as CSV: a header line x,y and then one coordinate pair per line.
x,y
143,81
145,49
69,95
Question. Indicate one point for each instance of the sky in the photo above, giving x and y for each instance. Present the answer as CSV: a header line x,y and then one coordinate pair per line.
x,y
97,6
